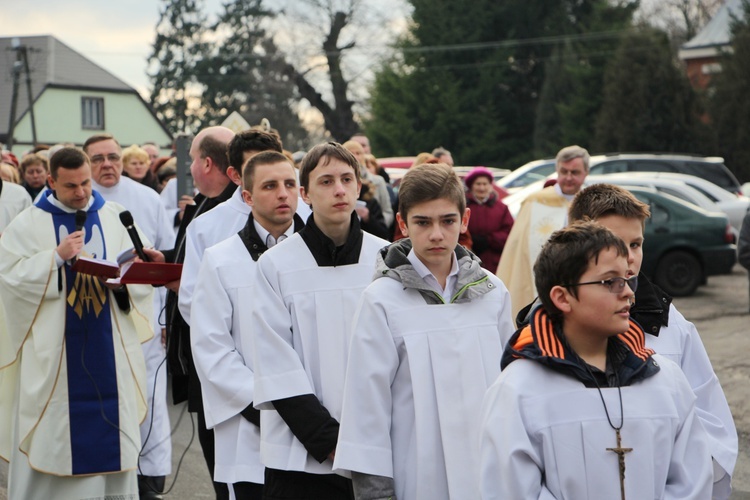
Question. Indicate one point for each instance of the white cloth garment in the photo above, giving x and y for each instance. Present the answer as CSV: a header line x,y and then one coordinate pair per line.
x,y
221,309
208,229
33,365
303,316
681,343
149,214
13,200
545,435
169,199
414,387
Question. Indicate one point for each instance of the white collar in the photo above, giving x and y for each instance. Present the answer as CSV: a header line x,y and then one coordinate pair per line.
x,y
51,198
430,278
265,235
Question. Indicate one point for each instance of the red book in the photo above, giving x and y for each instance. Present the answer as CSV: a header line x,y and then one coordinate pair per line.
x,y
150,273
96,267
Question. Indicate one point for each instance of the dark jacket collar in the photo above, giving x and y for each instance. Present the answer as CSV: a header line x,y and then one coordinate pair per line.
x,y
252,240
324,251
651,308
543,341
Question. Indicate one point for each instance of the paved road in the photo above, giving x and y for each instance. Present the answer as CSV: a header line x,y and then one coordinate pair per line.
x,y
718,309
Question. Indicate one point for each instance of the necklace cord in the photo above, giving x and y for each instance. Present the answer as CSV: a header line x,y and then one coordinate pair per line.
x,y
619,393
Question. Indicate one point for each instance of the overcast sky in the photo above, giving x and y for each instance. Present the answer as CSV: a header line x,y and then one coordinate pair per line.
x,y
116,35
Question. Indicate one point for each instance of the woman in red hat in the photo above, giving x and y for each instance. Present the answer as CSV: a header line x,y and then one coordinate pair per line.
x,y
490,220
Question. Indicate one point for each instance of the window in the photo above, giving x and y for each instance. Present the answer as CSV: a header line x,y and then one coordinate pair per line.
x,y
609,167
92,113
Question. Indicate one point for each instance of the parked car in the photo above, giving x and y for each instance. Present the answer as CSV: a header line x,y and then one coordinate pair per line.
x,y
397,173
396,161
701,192
711,168
683,244
526,174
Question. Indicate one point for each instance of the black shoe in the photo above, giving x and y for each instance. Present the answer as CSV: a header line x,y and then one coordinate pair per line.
x,y
151,487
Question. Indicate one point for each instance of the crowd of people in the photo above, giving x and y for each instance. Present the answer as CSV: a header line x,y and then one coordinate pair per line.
x,y
338,338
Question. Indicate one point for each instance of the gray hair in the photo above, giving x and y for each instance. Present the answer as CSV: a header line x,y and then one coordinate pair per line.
x,y
570,153
440,151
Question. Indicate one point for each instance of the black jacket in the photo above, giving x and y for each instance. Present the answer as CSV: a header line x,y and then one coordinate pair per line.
x,y
185,383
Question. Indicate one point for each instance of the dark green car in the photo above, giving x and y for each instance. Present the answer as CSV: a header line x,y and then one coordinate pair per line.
x,y
684,244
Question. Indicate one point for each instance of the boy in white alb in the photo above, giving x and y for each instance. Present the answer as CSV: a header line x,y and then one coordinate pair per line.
x,y
220,310
667,331
582,408
307,290
425,347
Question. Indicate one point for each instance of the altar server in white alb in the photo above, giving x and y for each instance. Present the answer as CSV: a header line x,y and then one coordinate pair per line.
x,y
145,206
306,292
224,293
582,409
228,217
425,347
667,331
72,374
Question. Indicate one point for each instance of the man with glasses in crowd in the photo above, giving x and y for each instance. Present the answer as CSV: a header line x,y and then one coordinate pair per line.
x,y
145,205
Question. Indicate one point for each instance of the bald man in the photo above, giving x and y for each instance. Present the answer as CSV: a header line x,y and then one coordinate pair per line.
x,y
209,171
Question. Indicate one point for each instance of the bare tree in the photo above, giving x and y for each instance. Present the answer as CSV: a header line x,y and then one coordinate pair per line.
x,y
331,46
682,19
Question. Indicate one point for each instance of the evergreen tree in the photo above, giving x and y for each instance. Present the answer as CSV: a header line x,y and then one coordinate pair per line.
x,y
479,98
648,103
730,107
574,76
178,47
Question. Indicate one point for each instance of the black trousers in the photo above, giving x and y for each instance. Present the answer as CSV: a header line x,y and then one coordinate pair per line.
x,y
293,485
248,491
206,438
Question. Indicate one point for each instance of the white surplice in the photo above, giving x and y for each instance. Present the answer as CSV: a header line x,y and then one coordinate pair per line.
x,y
303,316
14,199
680,342
208,229
223,296
545,435
417,375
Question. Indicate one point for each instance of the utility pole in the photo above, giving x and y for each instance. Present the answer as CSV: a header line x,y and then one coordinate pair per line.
x,y
21,64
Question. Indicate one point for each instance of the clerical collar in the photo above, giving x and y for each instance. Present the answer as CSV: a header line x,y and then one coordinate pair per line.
x,y
57,203
268,238
430,279
568,197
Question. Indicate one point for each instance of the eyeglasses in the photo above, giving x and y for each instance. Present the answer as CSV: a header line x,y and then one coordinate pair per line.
x,y
99,159
614,285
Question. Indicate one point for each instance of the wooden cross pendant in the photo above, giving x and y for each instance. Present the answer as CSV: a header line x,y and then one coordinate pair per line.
x,y
621,459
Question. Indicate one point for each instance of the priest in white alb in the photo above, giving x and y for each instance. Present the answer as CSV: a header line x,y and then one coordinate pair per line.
x,y
541,214
71,357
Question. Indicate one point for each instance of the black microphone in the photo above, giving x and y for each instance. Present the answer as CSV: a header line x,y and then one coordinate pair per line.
x,y
80,222
80,219
127,220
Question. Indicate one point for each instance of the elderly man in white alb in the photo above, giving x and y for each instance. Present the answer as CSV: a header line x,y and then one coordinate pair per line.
x,y
541,214
148,212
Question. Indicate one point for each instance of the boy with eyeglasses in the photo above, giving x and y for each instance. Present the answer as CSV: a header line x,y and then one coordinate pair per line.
x,y
667,331
581,399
